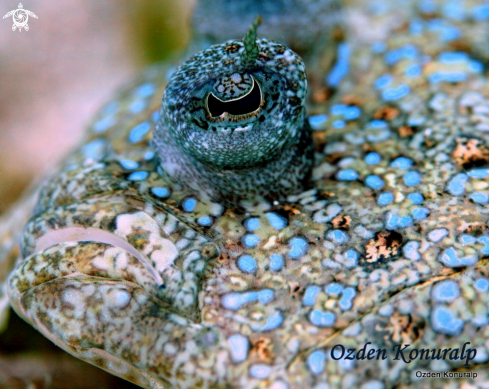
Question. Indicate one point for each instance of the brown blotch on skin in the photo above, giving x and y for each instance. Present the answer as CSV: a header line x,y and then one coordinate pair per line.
x,y
262,350
322,95
232,49
291,209
385,244
401,329
386,113
470,153
341,221
352,100
294,289
405,131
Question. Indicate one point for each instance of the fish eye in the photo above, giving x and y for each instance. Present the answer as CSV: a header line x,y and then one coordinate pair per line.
x,y
244,105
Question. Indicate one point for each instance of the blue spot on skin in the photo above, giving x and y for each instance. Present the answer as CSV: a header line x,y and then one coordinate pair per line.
x,y
247,264
315,362
317,122
351,259
450,258
377,124
478,173
94,149
137,106
310,295
138,132
393,56
482,284
467,239
352,113
342,66
378,47
407,51
137,176
322,319
447,75
415,121
443,321
334,289
149,155
129,164
393,94
447,31
272,323
416,27
298,247
338,236
339,124
420,213
438,234
239,347
205,221
385,199
103,124
347,175
161,192
111,108
475,66
394,221
413,70
484,240
480,12
260,371
452,58
383,81
155,116
453,10
189,204
410,250
412,178
402,163
145,90
480,198
251,240
265,296
346,301
252,224
374,182
338,109
405,221
276,221
445,291
234,301
456,186
373,158
276,262
416,198
428,7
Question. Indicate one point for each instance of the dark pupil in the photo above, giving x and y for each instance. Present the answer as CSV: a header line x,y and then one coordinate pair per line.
x,y
247,104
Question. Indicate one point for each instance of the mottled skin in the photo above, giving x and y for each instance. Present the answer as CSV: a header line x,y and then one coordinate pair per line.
x,y
387,244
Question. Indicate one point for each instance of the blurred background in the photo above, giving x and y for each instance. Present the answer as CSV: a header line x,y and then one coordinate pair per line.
x,y
53,78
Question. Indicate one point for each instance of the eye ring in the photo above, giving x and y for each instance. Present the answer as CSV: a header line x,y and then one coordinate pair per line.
x,y
236,109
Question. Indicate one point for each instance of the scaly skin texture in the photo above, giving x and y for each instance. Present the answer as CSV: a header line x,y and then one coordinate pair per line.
x,y
388,244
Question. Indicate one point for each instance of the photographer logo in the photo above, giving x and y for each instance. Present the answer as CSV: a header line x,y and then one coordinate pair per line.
x,y
20,16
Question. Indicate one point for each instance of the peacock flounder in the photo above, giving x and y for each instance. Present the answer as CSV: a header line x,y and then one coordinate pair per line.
x,y
225,239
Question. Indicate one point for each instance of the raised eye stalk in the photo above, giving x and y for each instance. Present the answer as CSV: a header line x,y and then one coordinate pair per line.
x,y
251,47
